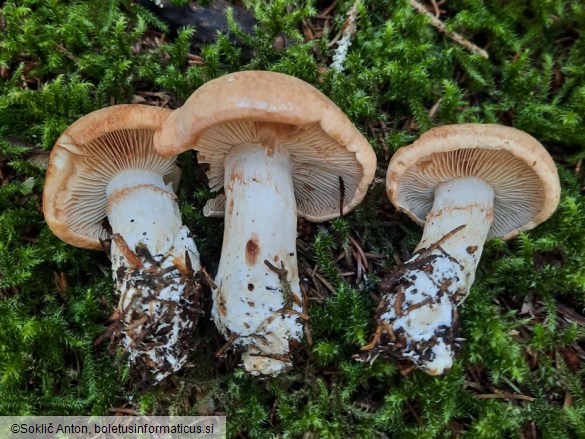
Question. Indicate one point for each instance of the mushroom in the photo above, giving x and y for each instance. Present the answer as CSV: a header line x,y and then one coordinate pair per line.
x,y
105,166
465,183
279,148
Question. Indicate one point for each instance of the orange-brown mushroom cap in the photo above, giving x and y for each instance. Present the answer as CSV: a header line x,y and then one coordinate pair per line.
x,y
521,172
277,111
85,158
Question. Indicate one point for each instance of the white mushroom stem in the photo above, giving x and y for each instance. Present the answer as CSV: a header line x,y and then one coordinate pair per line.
x,y
421,306
463,201
152,275
256,303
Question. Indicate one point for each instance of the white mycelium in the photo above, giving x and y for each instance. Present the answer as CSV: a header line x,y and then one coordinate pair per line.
x,y
421,305
257,300
152,275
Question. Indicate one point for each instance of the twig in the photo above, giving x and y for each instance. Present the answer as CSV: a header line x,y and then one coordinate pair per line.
x,y
348,30
360,252
325,13
459,39
230,341
505,395
208,279
370,255
304,285
431,248
325,283
436,8
60,48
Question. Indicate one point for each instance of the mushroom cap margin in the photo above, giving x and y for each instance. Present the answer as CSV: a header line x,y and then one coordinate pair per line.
x,y
62,168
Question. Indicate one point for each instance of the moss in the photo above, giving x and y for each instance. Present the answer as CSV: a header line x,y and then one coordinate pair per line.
x,y
521,372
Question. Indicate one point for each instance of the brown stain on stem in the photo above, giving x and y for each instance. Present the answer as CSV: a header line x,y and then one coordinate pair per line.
x,y
252,250
221,307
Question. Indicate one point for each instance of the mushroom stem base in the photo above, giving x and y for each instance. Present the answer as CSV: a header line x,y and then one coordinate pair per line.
x,y
154,260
